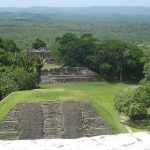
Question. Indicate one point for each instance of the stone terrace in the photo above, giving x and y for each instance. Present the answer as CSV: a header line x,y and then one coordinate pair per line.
x,y
68,74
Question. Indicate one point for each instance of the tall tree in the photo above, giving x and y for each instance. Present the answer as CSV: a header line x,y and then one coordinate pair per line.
x,y
120,59
9,45
37,44
110,58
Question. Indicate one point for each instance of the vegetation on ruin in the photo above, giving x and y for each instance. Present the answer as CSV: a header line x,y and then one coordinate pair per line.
x,y
37,44
112,59
17,70
48,66
101,95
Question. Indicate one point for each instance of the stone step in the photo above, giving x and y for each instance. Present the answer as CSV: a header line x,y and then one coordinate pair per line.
x,y
31,122
97,131
68,80
52,126
10,121
52,136
72,79
54,120
72,75
70,70
10,135
68,74
72,120
89,113
68,77
94,121
8,131
11,118
7,125
67,119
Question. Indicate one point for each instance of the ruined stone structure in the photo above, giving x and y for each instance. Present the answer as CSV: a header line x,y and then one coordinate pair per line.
x,y
68,74
42,53
51,120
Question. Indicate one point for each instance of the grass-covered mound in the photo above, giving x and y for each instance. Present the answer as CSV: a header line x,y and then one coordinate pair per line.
x,y
100,94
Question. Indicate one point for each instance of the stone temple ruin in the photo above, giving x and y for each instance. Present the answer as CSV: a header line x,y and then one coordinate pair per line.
x,y
62,74
51,120
68,74
42,53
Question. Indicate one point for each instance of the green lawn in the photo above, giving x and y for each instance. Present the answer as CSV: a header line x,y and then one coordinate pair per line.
x,y
100,94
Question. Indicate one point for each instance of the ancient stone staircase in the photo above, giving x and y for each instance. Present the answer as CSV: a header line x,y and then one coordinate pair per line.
x,y
93,123
68,74
9,129
52,116
51,120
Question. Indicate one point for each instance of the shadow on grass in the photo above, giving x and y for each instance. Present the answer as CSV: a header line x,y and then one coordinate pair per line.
x,y
141,124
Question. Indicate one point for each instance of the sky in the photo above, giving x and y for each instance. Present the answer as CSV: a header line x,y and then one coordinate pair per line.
x,y
72,3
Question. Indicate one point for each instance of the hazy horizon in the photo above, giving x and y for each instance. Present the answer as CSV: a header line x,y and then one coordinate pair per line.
x,y
67,6
71,3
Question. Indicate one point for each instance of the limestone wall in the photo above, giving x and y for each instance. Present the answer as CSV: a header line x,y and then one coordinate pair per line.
x,y
136,141
68,74
42,53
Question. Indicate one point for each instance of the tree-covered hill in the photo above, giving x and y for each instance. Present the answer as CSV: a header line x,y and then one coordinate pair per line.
x,y
142,11
25,24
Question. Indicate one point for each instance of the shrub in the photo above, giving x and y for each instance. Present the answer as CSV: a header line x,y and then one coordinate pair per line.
x,y
25,80
17,79
133,102
8,45
7,85
37,43
146,72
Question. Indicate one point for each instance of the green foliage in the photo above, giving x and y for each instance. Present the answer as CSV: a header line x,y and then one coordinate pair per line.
x,y
25,80
146,72
8,48
17,70
4,58
23,61
30,64
13,79
110,58
38,65
49,23
75,51
8,45
7,85
37,44
134,102
105,69
96,93
124,59
67,47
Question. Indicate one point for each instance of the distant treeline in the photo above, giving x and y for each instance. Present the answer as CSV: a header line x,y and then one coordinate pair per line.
x,y
23,25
